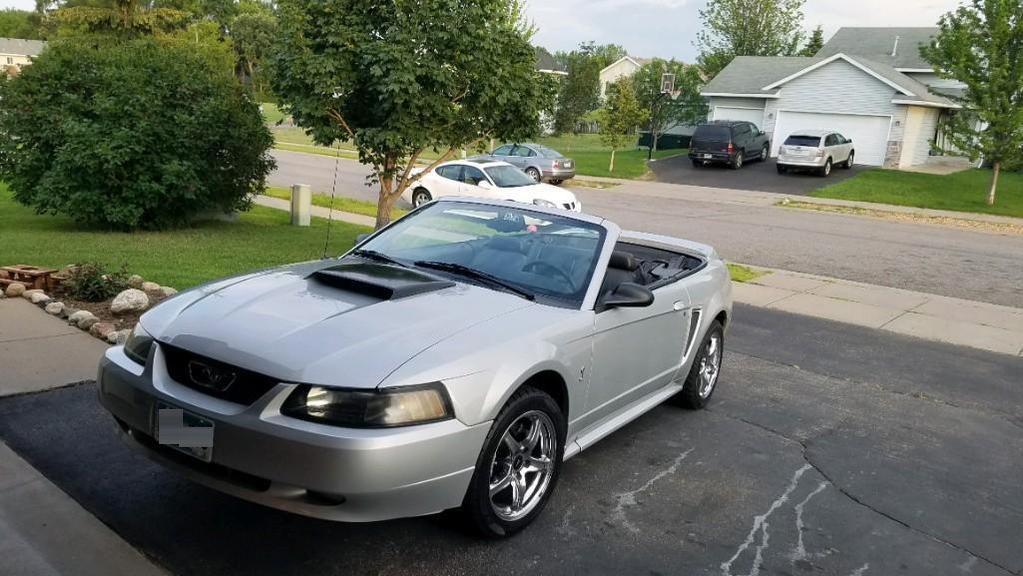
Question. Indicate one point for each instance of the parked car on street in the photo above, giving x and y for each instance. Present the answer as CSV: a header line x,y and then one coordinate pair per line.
x,y
453,359
541,163
728,142
817,151
485,178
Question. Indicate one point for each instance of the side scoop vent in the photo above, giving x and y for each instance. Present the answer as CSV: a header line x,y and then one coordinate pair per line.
x,y
379,281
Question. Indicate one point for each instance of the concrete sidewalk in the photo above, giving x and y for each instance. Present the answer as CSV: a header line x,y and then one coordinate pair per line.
x,y
43,531
318,211
927,316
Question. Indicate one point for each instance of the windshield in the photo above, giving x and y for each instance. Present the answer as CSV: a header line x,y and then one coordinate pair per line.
x,y
711,133
509,177
548,153
796,140
537,256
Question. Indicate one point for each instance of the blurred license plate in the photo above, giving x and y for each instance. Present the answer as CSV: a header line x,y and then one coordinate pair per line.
x,y
184,431
708,156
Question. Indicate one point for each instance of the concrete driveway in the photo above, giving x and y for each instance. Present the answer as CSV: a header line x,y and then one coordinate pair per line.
x,y
757,175
828,449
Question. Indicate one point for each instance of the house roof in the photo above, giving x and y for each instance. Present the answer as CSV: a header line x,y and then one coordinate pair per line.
x,y
879,45
764,76
545,62
21,46
639,62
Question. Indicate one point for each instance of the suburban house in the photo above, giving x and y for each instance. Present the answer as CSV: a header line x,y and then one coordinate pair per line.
x,y
870,84
624,66
18,53
546,63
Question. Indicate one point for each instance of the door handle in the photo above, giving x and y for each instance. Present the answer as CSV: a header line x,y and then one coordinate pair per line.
x,y
680,306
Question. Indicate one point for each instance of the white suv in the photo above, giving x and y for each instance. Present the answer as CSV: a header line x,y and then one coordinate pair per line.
x,y
816,150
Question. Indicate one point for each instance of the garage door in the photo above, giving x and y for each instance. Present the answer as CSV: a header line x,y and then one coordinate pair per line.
x,y
868,133
743,114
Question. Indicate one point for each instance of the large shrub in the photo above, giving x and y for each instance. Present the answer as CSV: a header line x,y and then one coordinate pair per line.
x,y
142,133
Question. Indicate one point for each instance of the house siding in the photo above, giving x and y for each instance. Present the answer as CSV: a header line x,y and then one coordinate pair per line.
x,y
611,74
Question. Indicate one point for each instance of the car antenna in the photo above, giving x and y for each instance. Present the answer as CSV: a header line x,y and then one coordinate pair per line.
x,y
333,190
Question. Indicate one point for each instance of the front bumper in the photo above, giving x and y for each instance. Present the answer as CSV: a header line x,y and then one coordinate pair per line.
x,y
341,474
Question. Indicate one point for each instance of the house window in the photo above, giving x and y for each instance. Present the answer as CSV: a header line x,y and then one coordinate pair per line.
x,y
10,60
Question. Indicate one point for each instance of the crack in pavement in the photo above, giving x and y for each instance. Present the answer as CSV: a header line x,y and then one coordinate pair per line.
x,y
804,444
623,499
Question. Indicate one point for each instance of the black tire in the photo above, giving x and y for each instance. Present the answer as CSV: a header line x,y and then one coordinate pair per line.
x,y
421,196
477,504
737,162
765,153
826,170
692,395
781,169
557,182
697,163
849,161
533,173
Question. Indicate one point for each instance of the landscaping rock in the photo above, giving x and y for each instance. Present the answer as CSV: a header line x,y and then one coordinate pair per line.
x,y
131,300
15,289
150,286
2,295
102,329
80,316
4,274
28,294
118,337
68,311
88,322
135,281
55,308
40,298
168,291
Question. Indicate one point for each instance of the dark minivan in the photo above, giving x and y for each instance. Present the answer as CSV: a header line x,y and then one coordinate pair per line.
x,y
731,142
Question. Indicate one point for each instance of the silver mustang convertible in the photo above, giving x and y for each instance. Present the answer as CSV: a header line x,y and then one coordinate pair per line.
x,y
453,359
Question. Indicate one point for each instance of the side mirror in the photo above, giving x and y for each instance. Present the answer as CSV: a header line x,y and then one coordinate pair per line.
x,y
628,295
360,238
485,184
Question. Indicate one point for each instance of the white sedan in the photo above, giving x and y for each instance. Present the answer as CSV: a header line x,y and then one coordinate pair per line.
x,y
488,179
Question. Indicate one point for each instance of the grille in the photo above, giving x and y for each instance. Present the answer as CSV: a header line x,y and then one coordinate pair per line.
x,y
234,384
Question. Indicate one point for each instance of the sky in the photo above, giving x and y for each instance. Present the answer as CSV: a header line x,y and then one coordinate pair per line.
x,y
667,28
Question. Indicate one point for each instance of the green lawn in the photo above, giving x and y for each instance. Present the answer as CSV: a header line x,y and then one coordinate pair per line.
x,y
961,192
592,157
271,113
742,273
260,238
341,203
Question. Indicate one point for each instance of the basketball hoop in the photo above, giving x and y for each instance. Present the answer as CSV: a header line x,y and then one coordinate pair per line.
x,y
667,83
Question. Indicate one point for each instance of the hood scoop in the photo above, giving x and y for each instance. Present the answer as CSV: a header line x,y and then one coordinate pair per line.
x,y
379,281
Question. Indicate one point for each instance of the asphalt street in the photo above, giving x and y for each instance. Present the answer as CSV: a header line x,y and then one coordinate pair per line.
x,y
755,175
935,259
827,449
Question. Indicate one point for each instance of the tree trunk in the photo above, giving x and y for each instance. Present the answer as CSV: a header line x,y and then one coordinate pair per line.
x,y
611,168
994,183
385,202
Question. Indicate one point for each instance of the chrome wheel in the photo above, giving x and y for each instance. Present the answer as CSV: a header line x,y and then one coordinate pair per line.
x,y
523,465
420,197
710,366
533,173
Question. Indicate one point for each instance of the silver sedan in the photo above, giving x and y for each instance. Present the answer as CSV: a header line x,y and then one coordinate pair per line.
x,y
541,163
455,359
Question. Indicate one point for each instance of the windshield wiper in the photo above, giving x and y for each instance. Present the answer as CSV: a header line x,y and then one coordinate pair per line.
x,y
463,270
379,257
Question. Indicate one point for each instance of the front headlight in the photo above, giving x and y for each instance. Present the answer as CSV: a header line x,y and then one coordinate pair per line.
x,y
138,345
544,203
385,408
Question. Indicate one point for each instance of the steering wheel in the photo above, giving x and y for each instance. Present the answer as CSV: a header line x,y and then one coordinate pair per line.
x,y
548,267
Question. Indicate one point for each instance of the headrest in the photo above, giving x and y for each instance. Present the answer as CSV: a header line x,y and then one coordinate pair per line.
x,y
504,244
623,261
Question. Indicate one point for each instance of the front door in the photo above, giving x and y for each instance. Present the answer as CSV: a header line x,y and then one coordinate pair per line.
x,y
636,351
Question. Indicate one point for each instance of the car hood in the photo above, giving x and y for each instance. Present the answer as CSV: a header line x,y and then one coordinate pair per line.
x,y
289,323
527,194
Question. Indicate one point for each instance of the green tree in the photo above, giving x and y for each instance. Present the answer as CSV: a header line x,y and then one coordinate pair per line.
x,y
620,116
748,28
252,35
141,133
605,54
981,45
117,17
579,92
684,106
406,76
18,24
815,43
